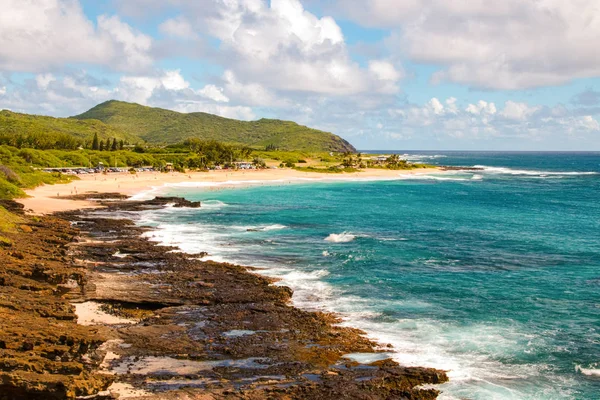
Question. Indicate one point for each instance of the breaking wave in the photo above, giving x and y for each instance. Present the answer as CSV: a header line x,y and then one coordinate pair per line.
x,y
340,237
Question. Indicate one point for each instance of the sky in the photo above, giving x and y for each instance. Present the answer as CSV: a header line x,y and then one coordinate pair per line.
x,y
383,74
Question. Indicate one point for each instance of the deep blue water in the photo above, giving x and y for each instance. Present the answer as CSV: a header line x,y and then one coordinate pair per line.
x,y
493,275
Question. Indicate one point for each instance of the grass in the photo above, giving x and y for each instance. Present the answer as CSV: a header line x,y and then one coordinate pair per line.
x,y
329,170
41,132
156,125
20,169
8,221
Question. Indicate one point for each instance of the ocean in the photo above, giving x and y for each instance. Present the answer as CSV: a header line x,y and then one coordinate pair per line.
x,y
493,275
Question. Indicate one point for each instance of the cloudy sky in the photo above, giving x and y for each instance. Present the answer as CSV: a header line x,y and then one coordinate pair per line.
x,y
384,74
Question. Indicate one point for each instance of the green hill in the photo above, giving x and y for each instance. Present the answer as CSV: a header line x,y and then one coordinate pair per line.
x,y
156,125
47,132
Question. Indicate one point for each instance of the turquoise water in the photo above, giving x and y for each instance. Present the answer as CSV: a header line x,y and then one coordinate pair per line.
x,y
493,275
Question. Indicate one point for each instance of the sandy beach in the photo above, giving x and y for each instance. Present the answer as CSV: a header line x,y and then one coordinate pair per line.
x,y
47,199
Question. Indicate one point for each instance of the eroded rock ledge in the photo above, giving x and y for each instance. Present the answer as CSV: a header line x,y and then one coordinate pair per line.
x,y
164,325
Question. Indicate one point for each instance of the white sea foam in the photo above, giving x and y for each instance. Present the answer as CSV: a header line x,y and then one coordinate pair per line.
x,y
510,171
420,157
192,239
310,292
147,194
595,372
263,228
344,237
447,176
274,227
212,204
468,353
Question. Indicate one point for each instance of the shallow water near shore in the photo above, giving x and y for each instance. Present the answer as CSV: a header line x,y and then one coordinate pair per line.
x,y
492,274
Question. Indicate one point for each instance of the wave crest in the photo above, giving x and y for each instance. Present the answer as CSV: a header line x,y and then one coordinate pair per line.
x,y
510,171
588,371
344,237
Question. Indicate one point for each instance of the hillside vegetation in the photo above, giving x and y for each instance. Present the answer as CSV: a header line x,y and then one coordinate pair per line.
x,y
40,132
156,125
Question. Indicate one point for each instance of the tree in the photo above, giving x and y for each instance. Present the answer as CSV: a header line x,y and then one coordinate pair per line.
x,y
245,152
259,163
95,144
348,161
121,144
101,147
114,145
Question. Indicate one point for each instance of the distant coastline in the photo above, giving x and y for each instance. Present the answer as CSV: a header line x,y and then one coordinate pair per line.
x,y
54,198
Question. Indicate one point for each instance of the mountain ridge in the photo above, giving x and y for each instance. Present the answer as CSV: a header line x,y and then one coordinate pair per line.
x,y
158,125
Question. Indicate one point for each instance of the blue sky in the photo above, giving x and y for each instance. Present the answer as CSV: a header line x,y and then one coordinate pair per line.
x,y
384,74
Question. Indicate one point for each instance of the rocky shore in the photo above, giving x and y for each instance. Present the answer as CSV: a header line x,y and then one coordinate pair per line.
x,y
90,309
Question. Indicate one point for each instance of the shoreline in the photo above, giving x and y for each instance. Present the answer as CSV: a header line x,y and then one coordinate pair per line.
x,y
48,199
152,323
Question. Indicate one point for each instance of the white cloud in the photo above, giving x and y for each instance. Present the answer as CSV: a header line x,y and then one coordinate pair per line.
x,y
178,27
284,48
518,111
2,90
129,48
436,106
70,94
214,93
235,112
509,44
482,107
39,35
589,123
140,89
43,80
451,106
384,70
250,93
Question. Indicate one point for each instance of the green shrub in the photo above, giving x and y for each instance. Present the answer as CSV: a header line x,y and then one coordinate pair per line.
x,y
9,175
9,191
5,242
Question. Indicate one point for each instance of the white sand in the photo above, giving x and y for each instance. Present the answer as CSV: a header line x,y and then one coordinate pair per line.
x,y
46,199
89,313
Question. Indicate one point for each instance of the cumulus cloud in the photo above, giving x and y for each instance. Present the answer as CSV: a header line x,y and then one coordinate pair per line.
x,y
482,107
253,94
44,34
588,123
178,27
282,47
510,44
214,93
445,123
235,112
140,89
518,111
73,93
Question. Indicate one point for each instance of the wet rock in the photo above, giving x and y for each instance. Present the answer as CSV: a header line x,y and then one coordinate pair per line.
x,y
200,329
